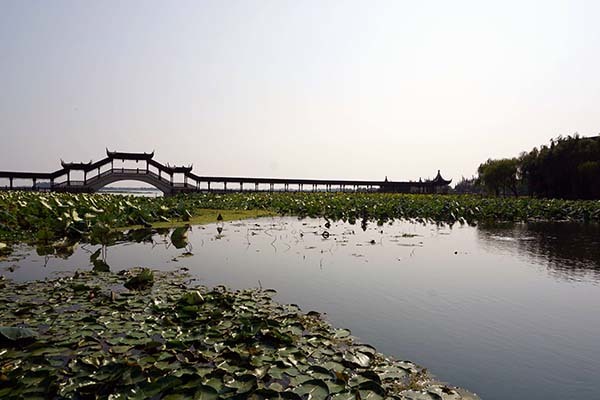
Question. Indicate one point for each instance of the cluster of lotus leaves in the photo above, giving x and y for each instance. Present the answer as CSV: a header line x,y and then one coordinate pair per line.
x,y
48,219
145,335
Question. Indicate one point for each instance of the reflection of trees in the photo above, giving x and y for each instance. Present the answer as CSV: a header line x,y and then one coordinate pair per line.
x,y
568,250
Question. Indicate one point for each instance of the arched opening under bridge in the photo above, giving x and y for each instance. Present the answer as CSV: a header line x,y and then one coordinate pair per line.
x,y
131,187
115,179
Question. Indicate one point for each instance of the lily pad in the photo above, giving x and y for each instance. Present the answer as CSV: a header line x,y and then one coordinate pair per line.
x,y
204,392
179,237
358,358
178,341
193,297
143,280
15,334
315,388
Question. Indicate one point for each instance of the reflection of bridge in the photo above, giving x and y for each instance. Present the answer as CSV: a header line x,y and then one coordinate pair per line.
x,y
98,174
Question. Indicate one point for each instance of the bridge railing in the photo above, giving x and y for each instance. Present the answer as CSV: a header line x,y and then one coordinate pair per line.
x,y
98,176
69,183
124,172
159,177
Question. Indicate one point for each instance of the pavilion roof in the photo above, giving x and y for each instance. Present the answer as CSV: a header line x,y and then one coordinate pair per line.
x,y
178,168
76,165
439,180
129,156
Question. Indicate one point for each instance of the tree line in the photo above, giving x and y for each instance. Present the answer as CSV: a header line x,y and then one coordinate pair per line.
x,y
568,168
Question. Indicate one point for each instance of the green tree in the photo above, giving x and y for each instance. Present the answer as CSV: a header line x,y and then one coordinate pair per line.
x,y
568,168
467,185
499,176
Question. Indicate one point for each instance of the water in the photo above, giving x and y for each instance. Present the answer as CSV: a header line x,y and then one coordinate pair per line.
x,y
139,191
509,311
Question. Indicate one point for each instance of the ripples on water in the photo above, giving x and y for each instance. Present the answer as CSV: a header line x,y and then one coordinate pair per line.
x,y
567,250
508,311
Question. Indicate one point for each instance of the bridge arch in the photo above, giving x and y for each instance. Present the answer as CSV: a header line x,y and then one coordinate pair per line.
x,y
102,181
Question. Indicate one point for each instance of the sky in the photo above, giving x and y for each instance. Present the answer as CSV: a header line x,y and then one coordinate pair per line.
x,y
299,89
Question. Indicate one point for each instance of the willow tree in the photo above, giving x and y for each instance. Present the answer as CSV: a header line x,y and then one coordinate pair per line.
x,y
499,176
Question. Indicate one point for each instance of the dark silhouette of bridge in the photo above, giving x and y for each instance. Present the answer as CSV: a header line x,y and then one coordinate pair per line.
x,y
180,179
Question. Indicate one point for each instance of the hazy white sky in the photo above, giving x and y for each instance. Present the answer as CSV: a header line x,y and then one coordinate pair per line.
x,y
315,89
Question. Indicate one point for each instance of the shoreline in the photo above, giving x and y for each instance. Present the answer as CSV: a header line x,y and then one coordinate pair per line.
x,y
172,338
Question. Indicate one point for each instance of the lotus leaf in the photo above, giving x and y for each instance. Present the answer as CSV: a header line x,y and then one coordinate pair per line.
x,y
315,388
24,214
419,395
179,237
15,334
358,358
144,344
204,392
142,280
192,298
344,396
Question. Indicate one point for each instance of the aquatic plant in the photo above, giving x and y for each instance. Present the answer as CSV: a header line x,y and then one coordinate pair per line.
x,y
87,336
49,219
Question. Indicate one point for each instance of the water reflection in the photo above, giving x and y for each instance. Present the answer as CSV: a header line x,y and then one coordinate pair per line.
x,y
568,250
142,235
475,305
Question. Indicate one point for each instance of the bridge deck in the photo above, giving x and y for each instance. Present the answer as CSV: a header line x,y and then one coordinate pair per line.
x,y
162,177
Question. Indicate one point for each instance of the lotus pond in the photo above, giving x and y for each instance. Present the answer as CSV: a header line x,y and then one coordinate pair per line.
x,y
47,217
505,310
101,335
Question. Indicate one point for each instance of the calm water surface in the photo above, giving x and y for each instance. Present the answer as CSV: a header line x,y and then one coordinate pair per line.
x,y
508,311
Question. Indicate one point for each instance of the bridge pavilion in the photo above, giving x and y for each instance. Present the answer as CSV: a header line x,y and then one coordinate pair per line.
x,y
103,172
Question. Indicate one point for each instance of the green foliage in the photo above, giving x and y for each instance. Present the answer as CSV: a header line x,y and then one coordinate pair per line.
x,y
15,334
569,168
80,340
179,237
49,217
141,280
52,221
467,186
499,176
